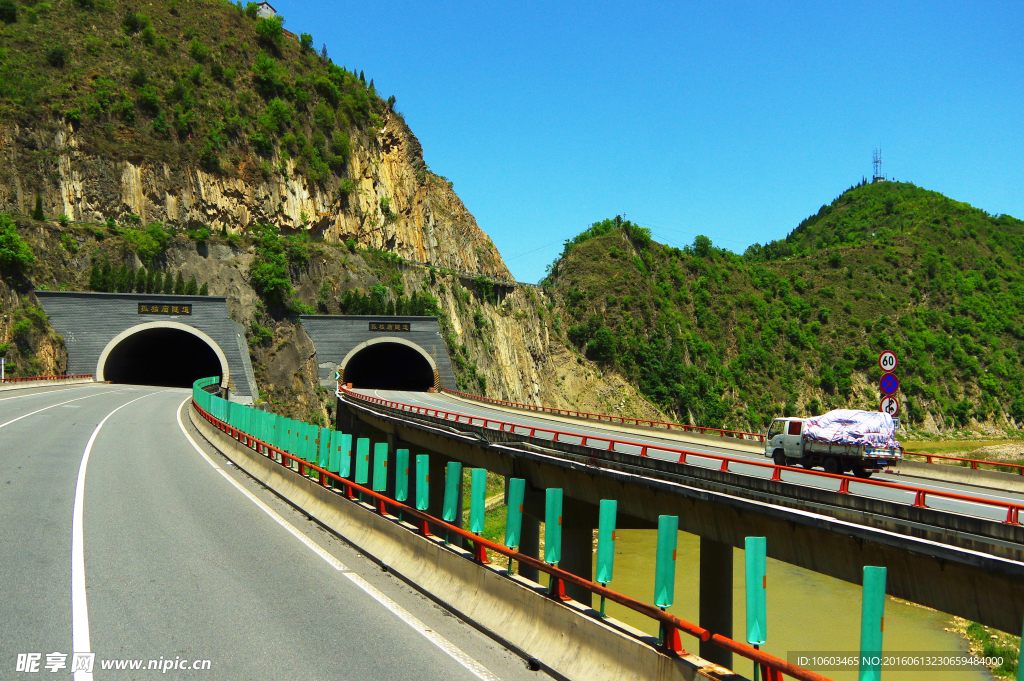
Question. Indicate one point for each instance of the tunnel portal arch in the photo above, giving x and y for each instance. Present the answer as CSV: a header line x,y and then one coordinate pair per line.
x,y
408,357
101,364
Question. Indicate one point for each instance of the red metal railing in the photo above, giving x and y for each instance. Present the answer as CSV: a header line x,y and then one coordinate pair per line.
x,y
25,379
974,462
921,494
686,428
772,668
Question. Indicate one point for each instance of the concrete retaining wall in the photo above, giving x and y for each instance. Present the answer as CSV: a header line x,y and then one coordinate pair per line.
x,y
561,637
39,384
960,474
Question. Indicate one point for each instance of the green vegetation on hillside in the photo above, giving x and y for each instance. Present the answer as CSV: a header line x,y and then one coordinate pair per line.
x,y
203,81
795,326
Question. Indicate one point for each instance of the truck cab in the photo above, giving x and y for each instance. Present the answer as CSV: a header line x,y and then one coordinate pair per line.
x,y
784,441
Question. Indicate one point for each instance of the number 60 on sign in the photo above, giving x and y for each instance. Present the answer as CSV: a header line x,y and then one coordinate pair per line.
x,y
887,361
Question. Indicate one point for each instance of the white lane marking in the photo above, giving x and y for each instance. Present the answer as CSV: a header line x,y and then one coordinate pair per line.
x,y
56,389
477,669
25,416
80,639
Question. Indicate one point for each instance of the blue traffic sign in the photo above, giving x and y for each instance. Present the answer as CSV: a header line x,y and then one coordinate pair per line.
x,y
889,384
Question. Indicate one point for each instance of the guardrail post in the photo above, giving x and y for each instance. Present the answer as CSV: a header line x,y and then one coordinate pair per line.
x,y
362,462
872,623
755,555
665,578
516,489
380,472
401,477
605,544
716,597
452,507
423,490
553,539
477,501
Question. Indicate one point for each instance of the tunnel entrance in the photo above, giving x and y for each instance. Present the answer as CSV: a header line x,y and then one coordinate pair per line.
x,y
161,356
389,366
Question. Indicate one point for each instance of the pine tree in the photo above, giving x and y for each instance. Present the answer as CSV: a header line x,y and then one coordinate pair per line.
x,y
362,77
191,288
123,282
179,285
96,276
204,290
107,278
158,282
37,214
151,285
141,280
168,283
323,52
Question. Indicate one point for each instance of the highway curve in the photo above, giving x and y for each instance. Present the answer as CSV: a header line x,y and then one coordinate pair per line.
x,y
183,559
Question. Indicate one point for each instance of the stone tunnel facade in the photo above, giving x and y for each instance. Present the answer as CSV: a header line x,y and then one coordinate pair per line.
x,y
340,338
93,324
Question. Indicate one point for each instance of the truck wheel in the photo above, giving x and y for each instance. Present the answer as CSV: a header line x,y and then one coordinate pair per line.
x,y
779,458
832,465
861,472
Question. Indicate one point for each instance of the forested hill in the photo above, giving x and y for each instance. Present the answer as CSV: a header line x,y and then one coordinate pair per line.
x,y
795,326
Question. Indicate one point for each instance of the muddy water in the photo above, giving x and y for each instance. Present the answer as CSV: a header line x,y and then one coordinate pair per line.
x,y
807,611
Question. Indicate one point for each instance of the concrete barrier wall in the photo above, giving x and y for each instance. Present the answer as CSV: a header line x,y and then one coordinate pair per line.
x,y
566,641
960,474
40,384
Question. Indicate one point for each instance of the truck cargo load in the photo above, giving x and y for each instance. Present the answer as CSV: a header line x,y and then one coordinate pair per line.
x,y
853,427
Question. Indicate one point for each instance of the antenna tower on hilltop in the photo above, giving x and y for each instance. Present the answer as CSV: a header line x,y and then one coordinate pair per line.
x,y
878,176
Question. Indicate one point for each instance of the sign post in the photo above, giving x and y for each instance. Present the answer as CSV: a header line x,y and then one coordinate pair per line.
x,y
889,384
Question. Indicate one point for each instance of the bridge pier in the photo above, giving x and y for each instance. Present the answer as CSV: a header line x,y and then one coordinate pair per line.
x,y
529,543
578,557
715,608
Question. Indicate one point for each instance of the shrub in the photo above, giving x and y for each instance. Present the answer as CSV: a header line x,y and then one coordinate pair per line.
x,y
269,269
57,57
270,31
93,46
134,22
139,77
149,101
198,51
200,236
63,220
306,42
149,36
8,11
86,4
15,254
252,10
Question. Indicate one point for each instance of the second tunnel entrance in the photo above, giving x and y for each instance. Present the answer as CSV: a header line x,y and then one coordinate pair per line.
x,y
389,366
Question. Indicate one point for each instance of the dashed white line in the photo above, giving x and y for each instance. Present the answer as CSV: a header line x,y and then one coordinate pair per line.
x,y
453,651
80,639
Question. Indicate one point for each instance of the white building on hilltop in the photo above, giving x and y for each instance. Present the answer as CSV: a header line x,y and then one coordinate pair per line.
x,y
265,10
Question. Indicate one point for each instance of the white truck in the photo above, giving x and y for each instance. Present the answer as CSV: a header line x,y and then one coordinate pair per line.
x,y
787,444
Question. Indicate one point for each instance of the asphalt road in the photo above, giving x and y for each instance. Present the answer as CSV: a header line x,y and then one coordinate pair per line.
x,y
185,558
744,451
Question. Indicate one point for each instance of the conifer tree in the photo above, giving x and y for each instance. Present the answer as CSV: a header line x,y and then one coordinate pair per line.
x,y
204,290
158,282
179,285
191,288
168,283
362,77
125,279
151,285
37,214
141,279
96,276
107,278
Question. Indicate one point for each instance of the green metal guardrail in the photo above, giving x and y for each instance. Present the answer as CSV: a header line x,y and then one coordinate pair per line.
x,y
312,450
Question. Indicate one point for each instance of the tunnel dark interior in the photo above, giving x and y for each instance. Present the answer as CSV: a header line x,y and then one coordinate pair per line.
x,y
389,366
165,357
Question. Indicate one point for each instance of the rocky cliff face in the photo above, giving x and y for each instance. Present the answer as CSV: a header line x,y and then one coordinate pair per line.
x,y
396,205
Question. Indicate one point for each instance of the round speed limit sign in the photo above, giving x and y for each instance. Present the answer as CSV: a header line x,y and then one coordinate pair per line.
x,y
887,361
890,405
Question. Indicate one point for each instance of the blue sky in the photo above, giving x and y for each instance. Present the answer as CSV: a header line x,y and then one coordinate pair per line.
x,y
734,120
